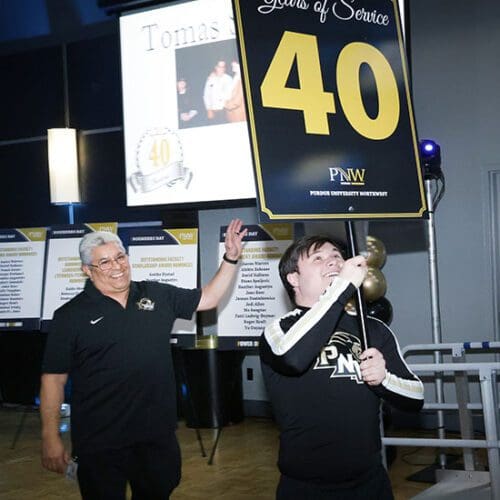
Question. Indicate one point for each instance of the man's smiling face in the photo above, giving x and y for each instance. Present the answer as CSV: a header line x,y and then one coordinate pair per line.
x,y
116,279
316,270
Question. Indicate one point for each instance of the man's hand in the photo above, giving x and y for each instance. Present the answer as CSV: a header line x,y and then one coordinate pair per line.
x,y
233,240
354,270
372,366
54,457
215,289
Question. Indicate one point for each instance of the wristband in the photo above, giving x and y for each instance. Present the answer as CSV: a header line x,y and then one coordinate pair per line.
x,y
230,261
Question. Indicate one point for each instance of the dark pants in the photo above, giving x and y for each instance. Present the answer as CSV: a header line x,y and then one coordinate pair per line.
x,y
377,486
152,470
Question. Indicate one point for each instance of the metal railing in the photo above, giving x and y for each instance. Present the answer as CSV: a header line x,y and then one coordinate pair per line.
x,y
487,372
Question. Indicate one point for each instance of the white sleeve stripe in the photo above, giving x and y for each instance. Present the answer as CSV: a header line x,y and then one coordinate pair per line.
x,y
281,343
413,389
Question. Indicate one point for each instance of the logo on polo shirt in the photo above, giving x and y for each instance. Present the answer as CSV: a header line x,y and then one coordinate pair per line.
x,y
342,356
95,321
146,304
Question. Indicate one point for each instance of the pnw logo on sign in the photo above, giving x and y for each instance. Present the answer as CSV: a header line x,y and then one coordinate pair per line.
x,y
344,363
348,176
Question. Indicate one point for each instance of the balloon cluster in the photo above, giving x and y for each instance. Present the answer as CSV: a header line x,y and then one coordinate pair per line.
x,y
375,285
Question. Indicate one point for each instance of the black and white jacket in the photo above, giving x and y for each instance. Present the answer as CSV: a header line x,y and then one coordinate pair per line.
x,y
328,417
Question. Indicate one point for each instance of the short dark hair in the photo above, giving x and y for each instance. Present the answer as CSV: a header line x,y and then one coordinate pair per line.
x,y
289,260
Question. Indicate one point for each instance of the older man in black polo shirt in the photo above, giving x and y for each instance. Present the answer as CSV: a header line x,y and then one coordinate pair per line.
x,y
113,339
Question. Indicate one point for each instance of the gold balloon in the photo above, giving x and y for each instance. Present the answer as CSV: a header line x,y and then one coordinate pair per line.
x,y
376,252
374,285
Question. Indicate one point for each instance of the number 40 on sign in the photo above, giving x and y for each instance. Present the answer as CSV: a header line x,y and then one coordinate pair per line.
x,y
315,103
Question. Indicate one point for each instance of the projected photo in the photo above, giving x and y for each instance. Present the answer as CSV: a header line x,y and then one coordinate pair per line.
x,y
209,89
185,129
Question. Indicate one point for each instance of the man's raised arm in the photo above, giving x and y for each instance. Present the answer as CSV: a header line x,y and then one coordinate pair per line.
x,y
215,289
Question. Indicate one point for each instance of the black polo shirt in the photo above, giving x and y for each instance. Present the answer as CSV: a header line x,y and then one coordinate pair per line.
x,y
120,364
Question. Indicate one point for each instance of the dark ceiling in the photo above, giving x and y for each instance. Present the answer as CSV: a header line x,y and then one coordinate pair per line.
x,y
27,24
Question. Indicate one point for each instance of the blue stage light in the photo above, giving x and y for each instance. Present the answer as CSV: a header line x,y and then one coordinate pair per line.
x,y
430,155
428,146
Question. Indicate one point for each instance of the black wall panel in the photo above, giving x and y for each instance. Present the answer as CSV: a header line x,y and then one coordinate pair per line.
x,y
32,98
94,83
24,188
32,102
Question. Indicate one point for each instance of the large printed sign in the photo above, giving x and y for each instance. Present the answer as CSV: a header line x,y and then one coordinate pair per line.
x,y
330,115
258,295
167,256
22,254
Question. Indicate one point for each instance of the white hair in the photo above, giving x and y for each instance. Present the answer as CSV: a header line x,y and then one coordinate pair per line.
x,y
94,240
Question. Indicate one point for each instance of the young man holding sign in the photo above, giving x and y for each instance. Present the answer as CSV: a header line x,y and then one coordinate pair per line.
x,y
324,389
113,339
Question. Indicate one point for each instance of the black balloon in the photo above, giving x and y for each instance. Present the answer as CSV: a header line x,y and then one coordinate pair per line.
x,y
380,309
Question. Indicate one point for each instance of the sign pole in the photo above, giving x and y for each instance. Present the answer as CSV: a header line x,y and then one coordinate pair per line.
x,y
360,303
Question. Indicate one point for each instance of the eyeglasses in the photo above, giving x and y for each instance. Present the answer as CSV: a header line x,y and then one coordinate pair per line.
x,y
107,264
